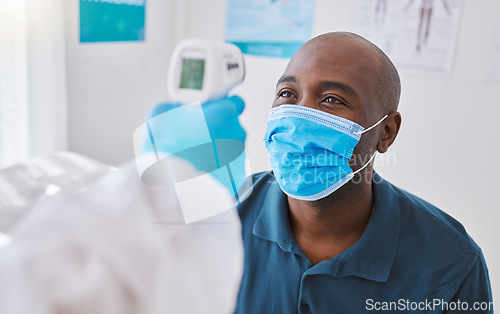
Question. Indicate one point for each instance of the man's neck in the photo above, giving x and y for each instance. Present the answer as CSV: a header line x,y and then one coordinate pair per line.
x,y
328,227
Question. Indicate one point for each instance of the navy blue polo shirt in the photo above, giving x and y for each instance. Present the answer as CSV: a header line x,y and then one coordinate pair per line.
x,y
411,257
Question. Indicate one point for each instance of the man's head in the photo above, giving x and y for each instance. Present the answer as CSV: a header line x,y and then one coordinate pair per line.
x,y
348,76
354,63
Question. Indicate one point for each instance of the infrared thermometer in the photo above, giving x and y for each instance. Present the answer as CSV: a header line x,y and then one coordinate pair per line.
x,y
203,70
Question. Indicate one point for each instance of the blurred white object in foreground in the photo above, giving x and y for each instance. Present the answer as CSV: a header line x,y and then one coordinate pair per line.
x,y
24,184
122,247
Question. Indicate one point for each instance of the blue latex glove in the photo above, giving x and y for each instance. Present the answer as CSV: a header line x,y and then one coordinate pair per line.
x,y
209,136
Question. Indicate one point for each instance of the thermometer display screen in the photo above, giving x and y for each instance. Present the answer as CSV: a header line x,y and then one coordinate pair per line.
x,y
193,71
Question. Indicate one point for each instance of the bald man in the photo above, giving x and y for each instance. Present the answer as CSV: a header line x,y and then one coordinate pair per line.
x,y
323,233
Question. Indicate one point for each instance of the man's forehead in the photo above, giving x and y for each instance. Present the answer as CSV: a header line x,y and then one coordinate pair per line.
x,y
325,52
341,63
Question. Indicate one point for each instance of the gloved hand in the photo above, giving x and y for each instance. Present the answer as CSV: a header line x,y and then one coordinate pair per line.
x,y
221,116
209,136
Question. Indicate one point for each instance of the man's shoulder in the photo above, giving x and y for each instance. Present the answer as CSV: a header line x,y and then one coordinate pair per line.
x,y
264,177
431,229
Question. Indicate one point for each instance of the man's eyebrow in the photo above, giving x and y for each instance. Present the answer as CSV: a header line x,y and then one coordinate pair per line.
x,y
287,78
324,84
338,85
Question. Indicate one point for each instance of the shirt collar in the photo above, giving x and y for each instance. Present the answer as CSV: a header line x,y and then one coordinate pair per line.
x,y
370,258
272,223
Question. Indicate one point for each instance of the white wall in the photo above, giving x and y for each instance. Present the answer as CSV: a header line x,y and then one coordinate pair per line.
x,y
112,85
446,152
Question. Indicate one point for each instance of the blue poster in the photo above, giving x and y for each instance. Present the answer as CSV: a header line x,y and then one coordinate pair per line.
x,y
112,20
274,28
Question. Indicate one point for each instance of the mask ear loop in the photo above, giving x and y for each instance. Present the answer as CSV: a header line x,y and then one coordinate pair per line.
x,y
375,153
366,130
365,165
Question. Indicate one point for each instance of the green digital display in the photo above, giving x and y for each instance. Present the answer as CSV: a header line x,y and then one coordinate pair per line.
x,y
193,71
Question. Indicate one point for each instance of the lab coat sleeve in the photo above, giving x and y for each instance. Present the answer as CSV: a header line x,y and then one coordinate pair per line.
x,y
475,290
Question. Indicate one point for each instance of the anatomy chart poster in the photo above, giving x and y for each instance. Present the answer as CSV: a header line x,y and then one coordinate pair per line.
x,y
418,35
275,28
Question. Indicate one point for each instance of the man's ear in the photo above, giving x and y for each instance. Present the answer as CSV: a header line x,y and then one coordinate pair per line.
x,y
389,132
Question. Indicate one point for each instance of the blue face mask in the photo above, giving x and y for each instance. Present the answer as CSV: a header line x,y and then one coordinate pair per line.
x,y
310,150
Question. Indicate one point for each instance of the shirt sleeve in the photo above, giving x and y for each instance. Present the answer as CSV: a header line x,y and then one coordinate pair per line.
x,y
475,291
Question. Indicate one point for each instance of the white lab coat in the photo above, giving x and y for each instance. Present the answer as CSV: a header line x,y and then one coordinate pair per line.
x,y
120,246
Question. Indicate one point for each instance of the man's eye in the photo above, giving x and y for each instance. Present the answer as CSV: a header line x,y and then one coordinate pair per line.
x,y
333,100
285,94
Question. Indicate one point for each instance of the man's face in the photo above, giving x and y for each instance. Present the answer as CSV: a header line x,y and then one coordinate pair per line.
x,y
337,76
